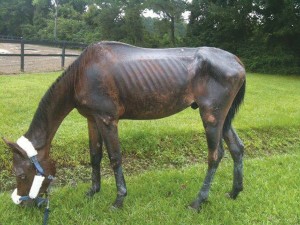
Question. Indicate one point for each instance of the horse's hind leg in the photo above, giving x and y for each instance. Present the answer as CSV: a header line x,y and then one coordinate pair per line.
x,y
95,144
109,131
213,129
236,149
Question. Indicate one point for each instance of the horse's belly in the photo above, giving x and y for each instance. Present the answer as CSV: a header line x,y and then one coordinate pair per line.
x,y
154,106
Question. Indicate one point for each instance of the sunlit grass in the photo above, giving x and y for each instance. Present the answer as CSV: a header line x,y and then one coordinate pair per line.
x,y
271,101
271,196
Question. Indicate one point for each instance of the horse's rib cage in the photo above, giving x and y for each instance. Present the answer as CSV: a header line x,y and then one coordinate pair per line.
x,y
150,75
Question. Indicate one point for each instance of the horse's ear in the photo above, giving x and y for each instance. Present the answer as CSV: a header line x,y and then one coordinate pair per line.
x,y
15,148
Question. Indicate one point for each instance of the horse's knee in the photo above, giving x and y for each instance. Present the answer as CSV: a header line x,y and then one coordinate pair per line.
x,y
115,162
95,158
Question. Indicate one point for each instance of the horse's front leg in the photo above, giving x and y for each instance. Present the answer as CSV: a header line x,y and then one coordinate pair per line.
x,y
109,132
95,144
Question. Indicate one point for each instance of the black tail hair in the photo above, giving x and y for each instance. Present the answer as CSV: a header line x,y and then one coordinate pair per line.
x,y
238,100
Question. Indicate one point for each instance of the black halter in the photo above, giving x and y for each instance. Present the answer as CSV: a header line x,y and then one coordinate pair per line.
x,y
40,172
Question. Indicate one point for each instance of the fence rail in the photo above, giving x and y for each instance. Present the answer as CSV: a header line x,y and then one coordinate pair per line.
x,y
9,37
60,44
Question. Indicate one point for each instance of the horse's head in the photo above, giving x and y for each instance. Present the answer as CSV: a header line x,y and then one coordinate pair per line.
x,y
34,173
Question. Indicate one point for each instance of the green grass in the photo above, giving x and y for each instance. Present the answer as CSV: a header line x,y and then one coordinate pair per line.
x,y
271,196
166,161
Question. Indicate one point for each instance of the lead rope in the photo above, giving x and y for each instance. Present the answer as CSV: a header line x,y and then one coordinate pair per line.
x,y
47,212
47,209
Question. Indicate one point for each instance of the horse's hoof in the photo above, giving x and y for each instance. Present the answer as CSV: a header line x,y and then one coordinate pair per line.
x,y
227,195
114,208
232,195
195,206
193,209
91,192
118,204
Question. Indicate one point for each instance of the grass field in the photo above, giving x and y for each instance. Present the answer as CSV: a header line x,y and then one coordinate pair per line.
x,y
166,161
271,196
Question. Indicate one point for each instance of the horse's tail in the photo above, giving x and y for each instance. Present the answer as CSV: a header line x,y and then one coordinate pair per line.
x,y
238,100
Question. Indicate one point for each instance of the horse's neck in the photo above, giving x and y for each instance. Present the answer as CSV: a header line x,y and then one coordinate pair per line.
x,y
56,104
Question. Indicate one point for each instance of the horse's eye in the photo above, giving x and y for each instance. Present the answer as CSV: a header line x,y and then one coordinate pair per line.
x,y
22,176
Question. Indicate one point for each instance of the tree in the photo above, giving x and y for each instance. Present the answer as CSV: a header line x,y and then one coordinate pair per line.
x,y
220,23
133,24
117,20
280,22
41,13
110,19
14,14
171,10
77,5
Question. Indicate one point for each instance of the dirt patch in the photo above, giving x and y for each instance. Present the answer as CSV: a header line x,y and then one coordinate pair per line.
x,y
12,64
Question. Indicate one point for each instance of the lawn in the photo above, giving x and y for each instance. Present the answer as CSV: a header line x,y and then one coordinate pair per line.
x,y
165,161
271,196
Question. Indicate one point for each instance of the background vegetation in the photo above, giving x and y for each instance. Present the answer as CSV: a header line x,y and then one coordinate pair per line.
x,y
165,162
264,33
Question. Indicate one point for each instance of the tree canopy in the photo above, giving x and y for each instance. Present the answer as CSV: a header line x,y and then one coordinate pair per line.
x,y
264,33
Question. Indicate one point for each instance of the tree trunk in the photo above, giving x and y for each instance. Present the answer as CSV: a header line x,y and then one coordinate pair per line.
x,y
173,31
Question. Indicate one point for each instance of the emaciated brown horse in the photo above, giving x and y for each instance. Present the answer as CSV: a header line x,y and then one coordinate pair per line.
x,y
112,81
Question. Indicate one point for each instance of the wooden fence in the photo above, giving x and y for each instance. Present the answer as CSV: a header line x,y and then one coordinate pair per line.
x,y
60,44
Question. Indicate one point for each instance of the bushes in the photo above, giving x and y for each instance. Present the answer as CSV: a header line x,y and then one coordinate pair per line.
x,y
261,59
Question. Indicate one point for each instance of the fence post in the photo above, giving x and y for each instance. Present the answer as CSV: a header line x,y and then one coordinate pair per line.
x,y
22,55
63,54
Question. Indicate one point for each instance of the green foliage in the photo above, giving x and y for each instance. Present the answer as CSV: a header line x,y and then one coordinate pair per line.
x,y
133,24
265,60
172,11
14,14
265,34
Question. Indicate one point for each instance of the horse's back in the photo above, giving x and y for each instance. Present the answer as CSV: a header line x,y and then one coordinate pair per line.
x,y
147,83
